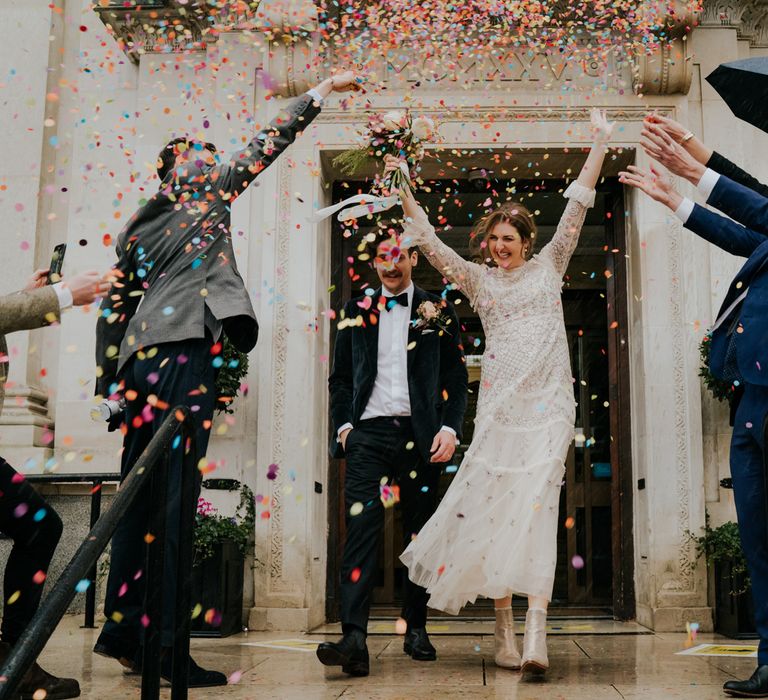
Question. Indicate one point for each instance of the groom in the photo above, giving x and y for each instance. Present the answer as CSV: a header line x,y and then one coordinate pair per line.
x,y
398,395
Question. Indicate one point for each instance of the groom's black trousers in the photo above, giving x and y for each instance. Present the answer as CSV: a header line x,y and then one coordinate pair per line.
x,y
375,449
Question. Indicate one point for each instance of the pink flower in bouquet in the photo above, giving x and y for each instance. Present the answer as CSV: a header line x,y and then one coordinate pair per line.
x,y
428,310
395,120
376,124
423,128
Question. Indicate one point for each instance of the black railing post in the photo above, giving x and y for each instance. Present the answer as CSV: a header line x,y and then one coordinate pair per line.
x,y
154,572
90,594
190,480
52,609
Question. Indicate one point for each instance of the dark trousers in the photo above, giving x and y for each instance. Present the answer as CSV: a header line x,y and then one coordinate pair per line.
x,y
35,529
175,375
749,491
376,449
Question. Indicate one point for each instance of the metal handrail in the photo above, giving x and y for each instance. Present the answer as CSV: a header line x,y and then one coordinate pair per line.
x,y
150,471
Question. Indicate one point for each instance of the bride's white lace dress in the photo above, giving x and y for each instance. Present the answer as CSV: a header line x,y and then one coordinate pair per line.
x,y
495,531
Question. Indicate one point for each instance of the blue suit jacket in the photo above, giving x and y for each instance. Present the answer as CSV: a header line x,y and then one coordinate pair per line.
x,y
749,241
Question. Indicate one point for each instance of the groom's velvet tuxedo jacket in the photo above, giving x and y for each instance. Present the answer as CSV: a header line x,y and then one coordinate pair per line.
x,y
749,320
437,373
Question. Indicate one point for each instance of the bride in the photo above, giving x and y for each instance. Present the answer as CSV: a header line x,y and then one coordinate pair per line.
x,y
495,531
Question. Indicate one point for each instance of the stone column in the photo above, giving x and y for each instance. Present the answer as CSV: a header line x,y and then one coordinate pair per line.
x,y
292,269
668,268
32,34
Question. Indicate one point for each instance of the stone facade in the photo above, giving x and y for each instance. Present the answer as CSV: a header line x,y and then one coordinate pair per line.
x,y
82,146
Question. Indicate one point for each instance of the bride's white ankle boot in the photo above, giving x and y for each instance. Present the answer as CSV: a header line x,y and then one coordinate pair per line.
x,y
535,642
506,654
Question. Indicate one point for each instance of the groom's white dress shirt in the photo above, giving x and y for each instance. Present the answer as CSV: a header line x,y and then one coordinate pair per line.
x,y
390,392
390,396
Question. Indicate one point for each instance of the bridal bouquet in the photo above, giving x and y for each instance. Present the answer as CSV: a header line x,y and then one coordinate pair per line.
x,y
396,133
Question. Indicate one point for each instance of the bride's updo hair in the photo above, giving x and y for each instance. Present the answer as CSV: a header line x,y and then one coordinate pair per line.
x,y
512,213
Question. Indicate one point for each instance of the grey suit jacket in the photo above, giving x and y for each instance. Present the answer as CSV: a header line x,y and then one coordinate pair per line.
x,y
175,255
22,311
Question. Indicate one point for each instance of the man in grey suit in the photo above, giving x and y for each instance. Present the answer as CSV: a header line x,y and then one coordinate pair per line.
x,y
176,291
34,527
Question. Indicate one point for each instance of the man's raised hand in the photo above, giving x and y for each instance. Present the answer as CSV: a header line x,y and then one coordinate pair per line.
x,y
87,287
347,81
653,183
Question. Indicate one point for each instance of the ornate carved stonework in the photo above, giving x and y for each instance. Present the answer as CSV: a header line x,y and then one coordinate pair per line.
x,y
276,581
503,114
174,26
686,558
748,17
504,69
155,26
666,71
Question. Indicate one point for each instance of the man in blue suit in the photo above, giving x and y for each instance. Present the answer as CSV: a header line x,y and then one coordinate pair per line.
x,y
739,350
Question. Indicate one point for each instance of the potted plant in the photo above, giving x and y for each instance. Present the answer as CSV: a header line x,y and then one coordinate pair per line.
x,y
233,366
220,544
721,548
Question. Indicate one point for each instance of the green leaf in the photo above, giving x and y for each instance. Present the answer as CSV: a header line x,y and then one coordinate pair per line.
x,y
230,376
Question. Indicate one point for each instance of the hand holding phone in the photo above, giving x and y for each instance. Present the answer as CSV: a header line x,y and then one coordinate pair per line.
x,y
57,262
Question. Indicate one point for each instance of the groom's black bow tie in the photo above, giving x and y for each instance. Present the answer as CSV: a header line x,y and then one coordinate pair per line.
x,y
401,299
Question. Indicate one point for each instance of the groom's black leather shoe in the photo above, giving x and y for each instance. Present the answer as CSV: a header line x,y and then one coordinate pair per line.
x,y
418,646
755,687
350,652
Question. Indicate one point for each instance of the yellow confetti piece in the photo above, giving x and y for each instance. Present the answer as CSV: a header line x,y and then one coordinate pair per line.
x,y
13,597
356,509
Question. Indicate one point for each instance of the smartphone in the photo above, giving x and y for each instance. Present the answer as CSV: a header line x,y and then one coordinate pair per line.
x,y
57,261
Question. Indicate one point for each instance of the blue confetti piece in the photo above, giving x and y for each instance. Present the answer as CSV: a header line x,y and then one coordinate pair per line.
x,y
176,442
37,517
217,362
82,585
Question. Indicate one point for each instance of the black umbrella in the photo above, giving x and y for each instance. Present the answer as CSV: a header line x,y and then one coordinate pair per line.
x,y
743,85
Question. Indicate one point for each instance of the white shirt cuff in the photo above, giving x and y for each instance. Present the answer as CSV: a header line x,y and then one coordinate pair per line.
x,y
450,430
64,294
707,183
342,429
684,211
316,96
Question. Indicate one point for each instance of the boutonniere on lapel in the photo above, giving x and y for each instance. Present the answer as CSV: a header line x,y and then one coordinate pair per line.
x,y
429,314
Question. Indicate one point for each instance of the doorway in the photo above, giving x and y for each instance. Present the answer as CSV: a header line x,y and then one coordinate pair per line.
x,y
594,574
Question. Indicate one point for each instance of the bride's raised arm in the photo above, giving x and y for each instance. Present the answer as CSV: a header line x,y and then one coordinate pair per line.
x,y
417,231
580,195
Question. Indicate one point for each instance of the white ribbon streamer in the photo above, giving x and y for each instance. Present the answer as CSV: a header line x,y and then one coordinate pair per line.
x,y
366,204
